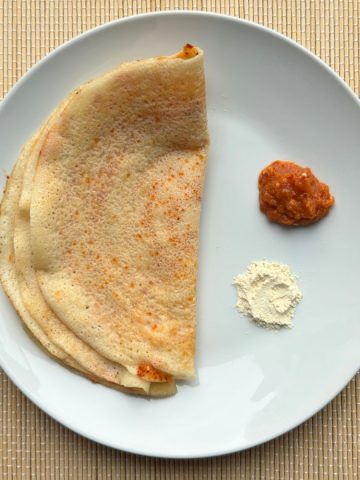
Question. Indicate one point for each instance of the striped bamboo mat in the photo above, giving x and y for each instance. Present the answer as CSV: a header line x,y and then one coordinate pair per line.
x,y
33,446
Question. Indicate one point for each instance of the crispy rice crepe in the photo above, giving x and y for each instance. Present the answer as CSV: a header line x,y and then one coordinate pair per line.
x,y
100,225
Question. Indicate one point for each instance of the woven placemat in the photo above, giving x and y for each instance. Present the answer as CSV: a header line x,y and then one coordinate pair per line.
x,y
33,445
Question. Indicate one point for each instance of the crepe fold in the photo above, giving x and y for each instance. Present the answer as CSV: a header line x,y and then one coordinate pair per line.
x,y
100,223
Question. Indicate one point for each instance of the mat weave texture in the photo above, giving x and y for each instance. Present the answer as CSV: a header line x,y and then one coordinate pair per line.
x,y
32,445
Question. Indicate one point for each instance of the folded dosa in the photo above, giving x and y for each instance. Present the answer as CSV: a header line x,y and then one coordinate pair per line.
x,y
107,224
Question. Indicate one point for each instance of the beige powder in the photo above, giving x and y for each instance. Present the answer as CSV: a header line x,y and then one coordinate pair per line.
x,y
268,293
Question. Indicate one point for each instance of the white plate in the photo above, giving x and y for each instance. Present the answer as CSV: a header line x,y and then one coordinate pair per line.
x,y
267,99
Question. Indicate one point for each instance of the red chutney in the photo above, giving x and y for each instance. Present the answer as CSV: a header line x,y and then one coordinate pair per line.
x,y
292,195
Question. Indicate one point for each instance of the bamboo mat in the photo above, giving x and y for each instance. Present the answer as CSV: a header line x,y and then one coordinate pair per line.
x,y
32,445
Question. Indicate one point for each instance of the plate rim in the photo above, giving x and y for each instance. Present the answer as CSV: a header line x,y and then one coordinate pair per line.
x,y
13,91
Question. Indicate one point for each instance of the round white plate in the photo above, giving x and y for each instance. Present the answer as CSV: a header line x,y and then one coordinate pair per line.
x,y
267,99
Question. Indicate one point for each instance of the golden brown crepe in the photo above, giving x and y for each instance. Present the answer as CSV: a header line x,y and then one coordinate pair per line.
x,y
106,230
